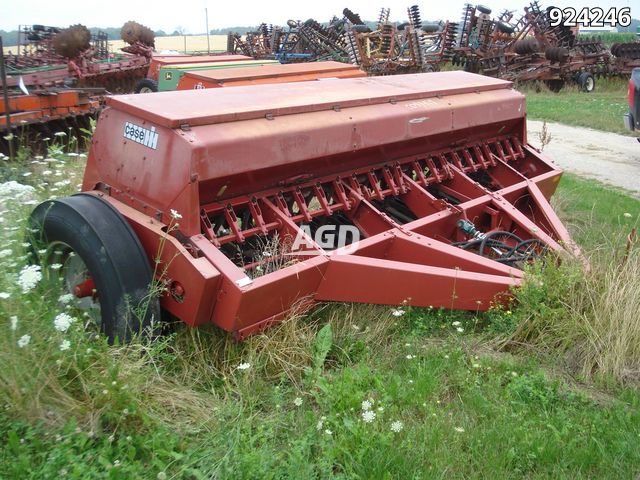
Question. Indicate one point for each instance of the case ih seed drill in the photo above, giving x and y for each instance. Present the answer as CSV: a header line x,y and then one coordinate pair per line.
x,y
225,196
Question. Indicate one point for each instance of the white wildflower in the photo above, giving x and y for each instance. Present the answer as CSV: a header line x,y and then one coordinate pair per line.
x,y
14,322
397,312
29,277
4,295
175,215
24,340
368,416
65,345
366,405
456,324
5,253
627,215
243,366
62,322
397,426
460,329
297,402
328,432
60,134
14,191
55,266
66,298
459,429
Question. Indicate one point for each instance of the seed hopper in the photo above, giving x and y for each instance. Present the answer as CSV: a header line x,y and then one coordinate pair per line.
x,y
227,197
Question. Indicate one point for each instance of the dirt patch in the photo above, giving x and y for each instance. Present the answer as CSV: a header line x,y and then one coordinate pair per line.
x,y
604,156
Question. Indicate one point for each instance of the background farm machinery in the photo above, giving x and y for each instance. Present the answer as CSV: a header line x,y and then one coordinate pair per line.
x,y
529,48
55,79
385,49
523,47
53,57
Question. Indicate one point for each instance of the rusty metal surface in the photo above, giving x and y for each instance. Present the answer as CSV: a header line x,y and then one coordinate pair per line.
x,y
172,109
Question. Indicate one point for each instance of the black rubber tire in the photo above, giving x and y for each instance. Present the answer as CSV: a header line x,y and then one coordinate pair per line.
x,y
505,27
554,85
146,85
97,233
587,82
361,28
431,27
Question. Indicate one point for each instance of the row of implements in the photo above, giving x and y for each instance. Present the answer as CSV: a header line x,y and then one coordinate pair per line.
x,y
54,79
518,47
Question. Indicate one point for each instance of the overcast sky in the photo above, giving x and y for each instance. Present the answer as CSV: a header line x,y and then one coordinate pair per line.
x,y
167,15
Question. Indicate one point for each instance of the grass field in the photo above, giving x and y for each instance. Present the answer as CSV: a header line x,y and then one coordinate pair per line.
x,y
346,392
609,38
601,109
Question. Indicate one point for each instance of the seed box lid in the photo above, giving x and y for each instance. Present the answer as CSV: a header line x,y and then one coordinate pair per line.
x,y
220,105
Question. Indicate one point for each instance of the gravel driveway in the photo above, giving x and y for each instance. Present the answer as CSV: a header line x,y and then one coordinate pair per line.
x,y
608,157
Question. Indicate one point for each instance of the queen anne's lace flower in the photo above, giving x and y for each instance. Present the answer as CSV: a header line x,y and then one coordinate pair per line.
x,y
29,277
62,322
66,298
297,402
397,426
368,416
65,345
243,366
24,340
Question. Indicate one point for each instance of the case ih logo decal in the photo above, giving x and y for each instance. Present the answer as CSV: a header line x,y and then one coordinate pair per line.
x,y
143,136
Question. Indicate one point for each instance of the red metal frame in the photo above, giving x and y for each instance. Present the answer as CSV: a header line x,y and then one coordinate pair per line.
x,y
52,105
402,159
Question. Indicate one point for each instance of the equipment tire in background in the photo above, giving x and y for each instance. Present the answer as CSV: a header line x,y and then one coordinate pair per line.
x,y
146,85
554,85
587,82
505,27
88,227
